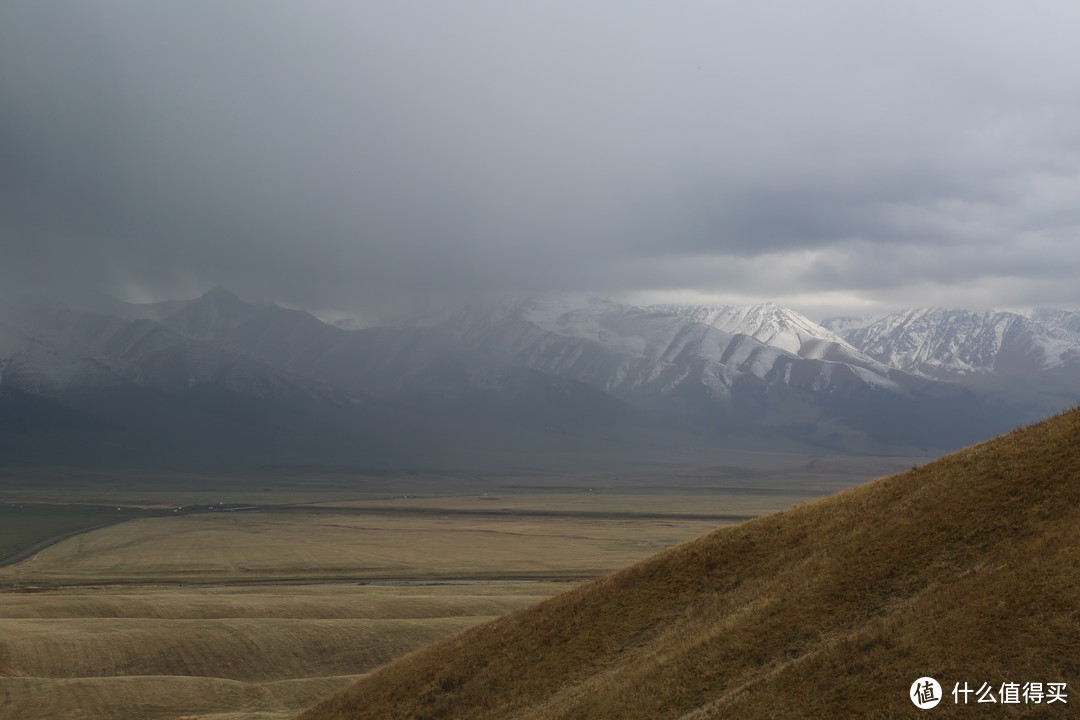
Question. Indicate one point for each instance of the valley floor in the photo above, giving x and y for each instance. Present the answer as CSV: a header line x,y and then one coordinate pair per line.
x,y
253,614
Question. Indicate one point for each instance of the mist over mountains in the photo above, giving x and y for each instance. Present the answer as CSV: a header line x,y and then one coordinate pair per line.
x,y
220,381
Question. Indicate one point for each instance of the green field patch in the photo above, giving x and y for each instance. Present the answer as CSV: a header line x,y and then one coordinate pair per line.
x,y
24,526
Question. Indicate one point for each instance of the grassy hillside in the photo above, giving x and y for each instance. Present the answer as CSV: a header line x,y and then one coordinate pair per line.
x,y
966,570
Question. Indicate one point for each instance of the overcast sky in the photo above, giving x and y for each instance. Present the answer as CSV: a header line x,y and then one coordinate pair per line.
x,y
838,156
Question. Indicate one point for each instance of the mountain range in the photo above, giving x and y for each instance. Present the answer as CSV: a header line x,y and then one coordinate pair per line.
x,y
218,380
1038,352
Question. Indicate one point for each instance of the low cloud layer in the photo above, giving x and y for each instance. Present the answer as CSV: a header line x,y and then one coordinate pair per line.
x,y
837,155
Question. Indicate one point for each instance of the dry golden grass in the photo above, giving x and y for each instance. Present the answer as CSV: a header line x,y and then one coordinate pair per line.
x,y
249,649
965,569
306,602
224,547
222,653
158,698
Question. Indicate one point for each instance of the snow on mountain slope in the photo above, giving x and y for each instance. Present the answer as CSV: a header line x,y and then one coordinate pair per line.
x,y
632,351
66,349
33,360
778,327
536,363
676,365
940,343
39,368
767,322
1067,321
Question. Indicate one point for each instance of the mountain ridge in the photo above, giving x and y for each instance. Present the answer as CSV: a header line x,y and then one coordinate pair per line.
x,y
939,342
555,369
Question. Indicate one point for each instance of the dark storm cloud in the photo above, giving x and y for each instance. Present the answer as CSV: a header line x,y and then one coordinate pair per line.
x,y
345,154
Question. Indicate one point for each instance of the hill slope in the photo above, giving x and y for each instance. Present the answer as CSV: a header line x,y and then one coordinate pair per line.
x,y
966,570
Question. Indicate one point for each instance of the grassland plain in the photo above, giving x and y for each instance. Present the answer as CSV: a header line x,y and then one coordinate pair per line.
x,y
209,650
261,547
89,629
966,569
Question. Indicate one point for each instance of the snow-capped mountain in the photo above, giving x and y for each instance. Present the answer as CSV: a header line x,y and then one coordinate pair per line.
x,y
219,380
956,343
654,351
134,391
149,355
777,326
271,382
1067,321
673,361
